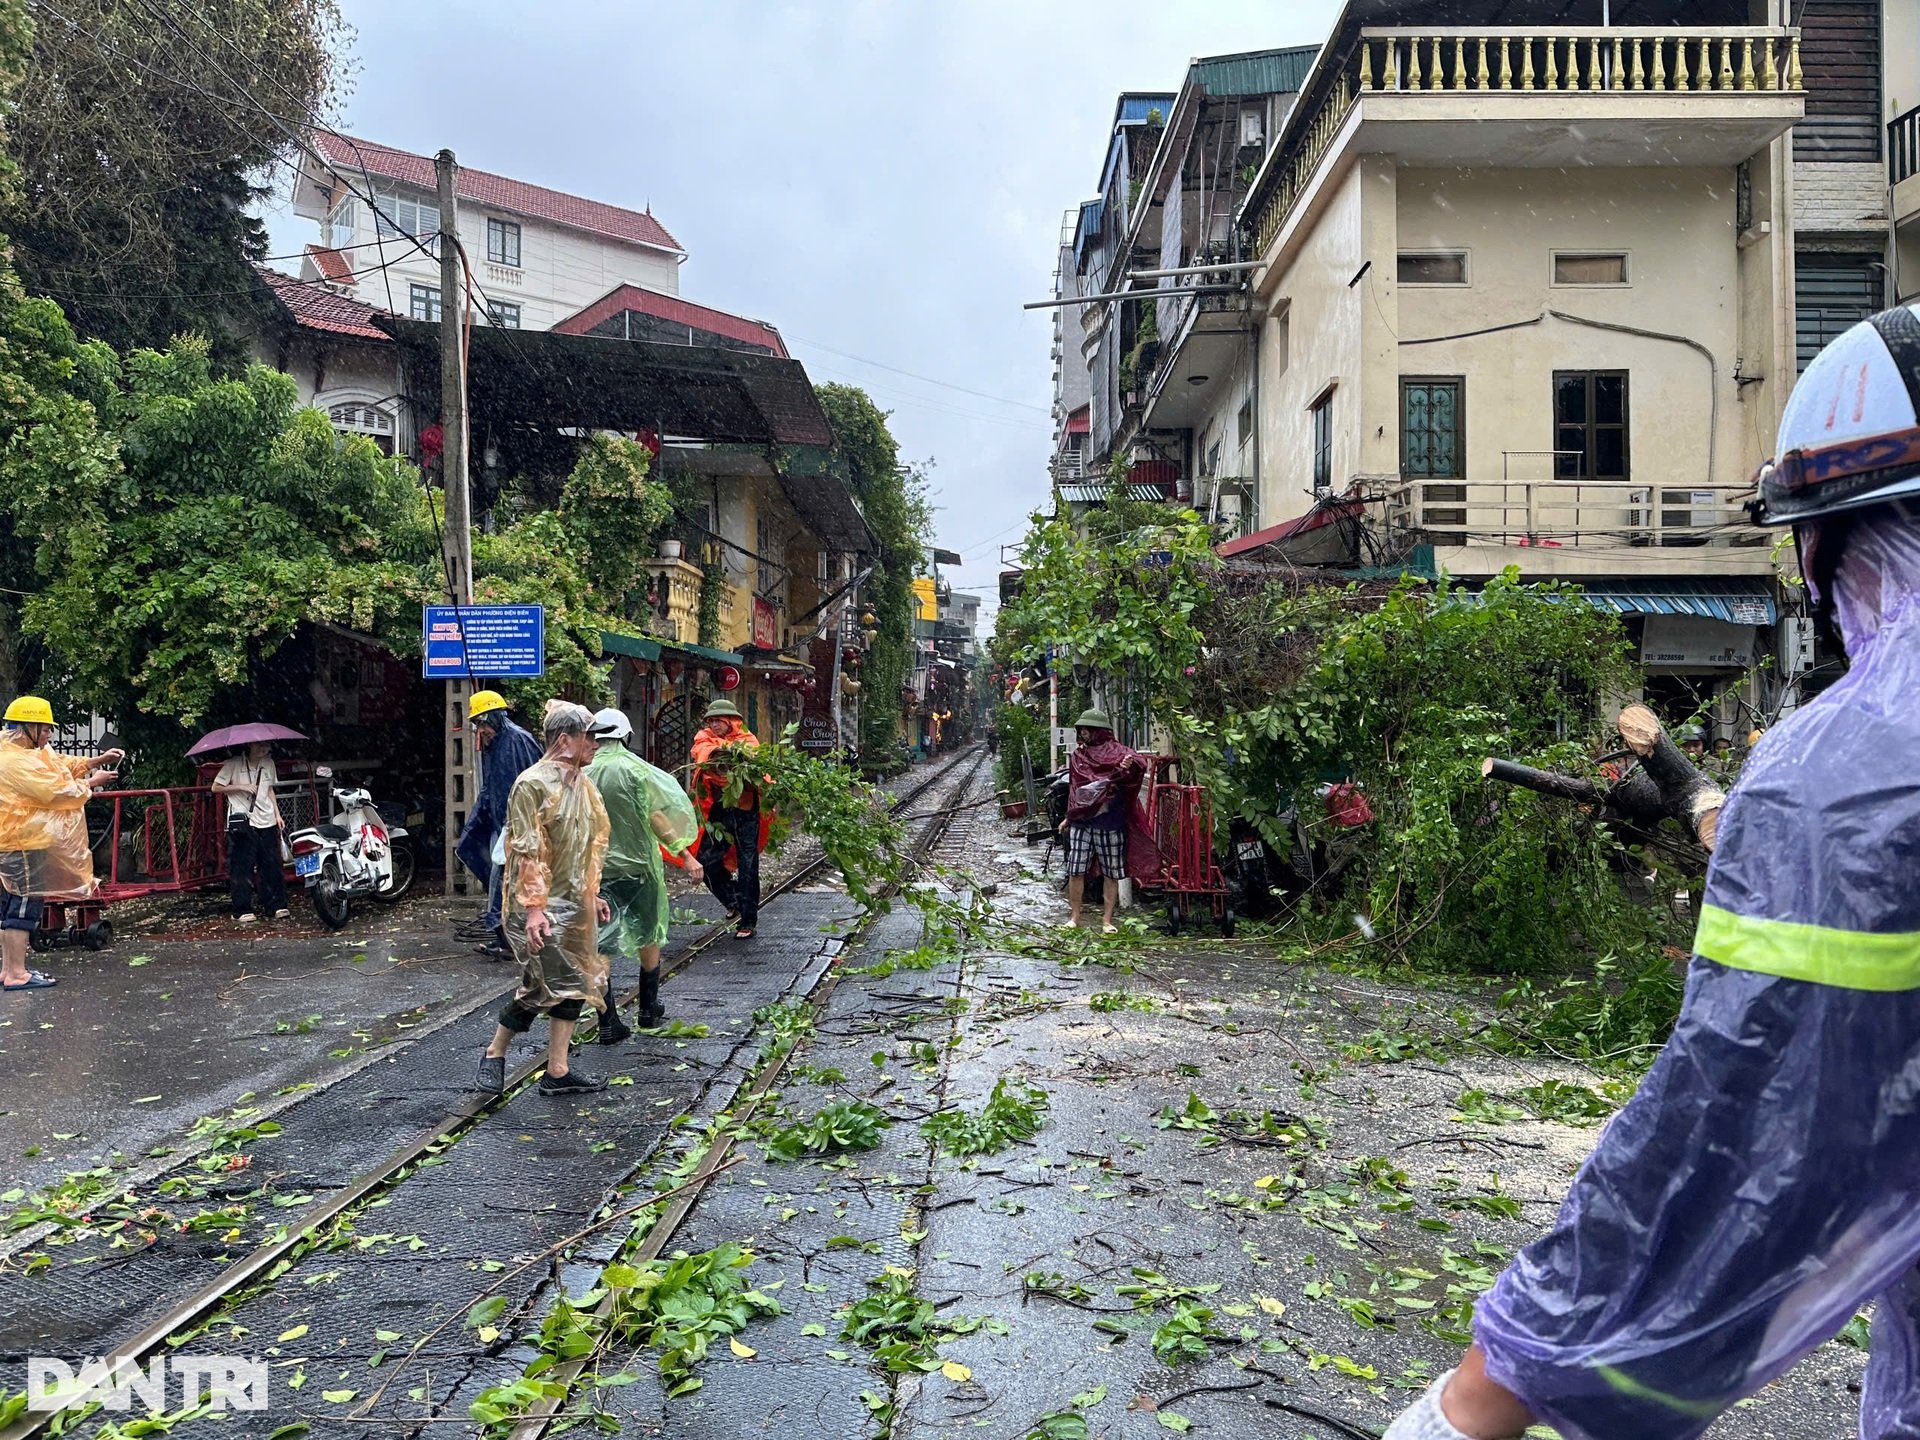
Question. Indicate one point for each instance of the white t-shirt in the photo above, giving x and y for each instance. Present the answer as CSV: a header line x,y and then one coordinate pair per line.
x,y
258,807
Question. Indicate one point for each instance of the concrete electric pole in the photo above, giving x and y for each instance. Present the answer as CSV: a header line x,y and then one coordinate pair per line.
x,y
458,529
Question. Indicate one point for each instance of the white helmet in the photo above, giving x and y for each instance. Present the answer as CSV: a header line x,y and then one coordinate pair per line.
x,y
1850,436
611,724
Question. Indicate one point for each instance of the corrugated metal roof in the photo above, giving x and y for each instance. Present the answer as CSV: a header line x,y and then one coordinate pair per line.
x,y
1133,109
1258,72
1739,602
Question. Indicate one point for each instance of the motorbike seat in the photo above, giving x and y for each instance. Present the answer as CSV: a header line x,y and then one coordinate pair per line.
x,y
332,832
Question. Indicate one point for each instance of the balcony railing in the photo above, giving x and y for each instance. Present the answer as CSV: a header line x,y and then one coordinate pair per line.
x,y
1582,514
1559,60
1903,147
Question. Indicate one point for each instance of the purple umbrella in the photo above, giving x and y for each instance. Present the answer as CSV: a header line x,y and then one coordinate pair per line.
x,y
236,735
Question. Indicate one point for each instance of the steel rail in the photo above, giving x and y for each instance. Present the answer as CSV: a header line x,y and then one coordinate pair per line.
x,y
545,1411
124,1364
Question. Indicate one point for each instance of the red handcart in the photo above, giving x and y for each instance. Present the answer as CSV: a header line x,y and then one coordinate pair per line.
x,y
161,841
1182,818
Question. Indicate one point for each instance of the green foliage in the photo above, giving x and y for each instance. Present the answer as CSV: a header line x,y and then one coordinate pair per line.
x,y
141,140
1183,1338
1010,1114
1405,694
894,501
1021,731
173,571
1571,1104
1622,1012
1123,601
846,815
611,513
903,1330
713,589
676,1307
835,1128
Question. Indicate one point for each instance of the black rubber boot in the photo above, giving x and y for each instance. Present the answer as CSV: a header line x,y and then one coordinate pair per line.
x,y
613,1028
652,1012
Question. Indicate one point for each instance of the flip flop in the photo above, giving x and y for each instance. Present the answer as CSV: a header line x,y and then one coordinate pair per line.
x,y
34,981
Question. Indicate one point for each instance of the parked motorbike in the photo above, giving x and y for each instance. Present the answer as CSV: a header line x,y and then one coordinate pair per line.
x,y
357,855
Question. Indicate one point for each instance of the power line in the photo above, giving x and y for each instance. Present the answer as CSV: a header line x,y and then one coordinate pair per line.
x,y
928,379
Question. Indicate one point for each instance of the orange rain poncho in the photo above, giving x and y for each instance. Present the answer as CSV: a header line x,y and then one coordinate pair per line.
x,y
708,783
43,812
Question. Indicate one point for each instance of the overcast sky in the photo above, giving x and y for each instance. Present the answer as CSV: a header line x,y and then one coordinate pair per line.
x,y
882,179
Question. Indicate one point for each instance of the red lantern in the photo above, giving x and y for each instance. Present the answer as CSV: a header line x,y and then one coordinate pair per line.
x,y
726,677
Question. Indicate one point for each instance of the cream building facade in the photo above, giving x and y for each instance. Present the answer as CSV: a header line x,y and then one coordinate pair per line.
x,y
1536,293
539,255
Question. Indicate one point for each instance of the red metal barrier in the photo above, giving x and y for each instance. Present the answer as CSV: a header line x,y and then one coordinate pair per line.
x,y
1183,829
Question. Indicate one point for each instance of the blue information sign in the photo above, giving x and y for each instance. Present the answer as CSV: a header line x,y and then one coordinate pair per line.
x,y
499,642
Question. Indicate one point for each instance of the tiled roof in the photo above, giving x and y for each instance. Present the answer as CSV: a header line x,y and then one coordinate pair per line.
x,y
635,226
331,264
680,312
315,307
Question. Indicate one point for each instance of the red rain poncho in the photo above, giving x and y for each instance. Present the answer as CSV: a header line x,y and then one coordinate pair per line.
x,y
1104,774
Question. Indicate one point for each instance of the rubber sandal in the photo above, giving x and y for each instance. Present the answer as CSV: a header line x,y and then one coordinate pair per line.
x,y
248,919
34,981
745,932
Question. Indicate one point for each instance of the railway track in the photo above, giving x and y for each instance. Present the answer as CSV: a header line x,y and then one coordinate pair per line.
x,y
274,1263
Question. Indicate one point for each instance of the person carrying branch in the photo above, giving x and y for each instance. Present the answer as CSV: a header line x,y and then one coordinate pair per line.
x,y
1759,1188
735,826
556,843
649,816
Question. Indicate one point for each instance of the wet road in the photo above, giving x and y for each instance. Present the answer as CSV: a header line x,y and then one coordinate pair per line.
x,y
139,1041
1258,1200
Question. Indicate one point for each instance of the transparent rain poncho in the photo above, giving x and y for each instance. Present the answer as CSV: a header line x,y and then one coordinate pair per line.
x,y
556,842
647,812
1761,1186
43,821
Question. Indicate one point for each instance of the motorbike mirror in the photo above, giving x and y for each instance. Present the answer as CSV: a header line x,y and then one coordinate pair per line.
x,y
323,772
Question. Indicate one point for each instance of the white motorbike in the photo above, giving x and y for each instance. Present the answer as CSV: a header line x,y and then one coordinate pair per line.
x,y
355,856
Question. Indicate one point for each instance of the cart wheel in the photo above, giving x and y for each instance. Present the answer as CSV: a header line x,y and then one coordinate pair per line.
x,y
1228,921
39,940
99,935
1174,917
333,908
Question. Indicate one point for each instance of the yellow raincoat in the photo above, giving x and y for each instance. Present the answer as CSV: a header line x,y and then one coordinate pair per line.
x,y
556,843
43,820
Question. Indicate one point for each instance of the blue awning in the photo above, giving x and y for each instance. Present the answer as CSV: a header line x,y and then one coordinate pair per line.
x,y
1737,601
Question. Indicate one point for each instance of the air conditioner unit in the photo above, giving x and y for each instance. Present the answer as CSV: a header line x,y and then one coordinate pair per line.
x,y
1796,645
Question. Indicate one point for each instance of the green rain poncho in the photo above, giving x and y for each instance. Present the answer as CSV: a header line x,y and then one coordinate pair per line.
x,y
646,810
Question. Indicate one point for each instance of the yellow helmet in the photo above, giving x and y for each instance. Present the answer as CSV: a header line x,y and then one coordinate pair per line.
x,y
30,710
485,702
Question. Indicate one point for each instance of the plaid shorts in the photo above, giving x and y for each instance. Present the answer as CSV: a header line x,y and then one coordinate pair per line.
x,y
1084,842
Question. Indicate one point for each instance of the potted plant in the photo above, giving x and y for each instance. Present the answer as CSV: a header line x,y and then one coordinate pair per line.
x,y
670,549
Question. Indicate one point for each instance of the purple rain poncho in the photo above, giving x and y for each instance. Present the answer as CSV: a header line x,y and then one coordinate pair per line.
x,y
1764,1183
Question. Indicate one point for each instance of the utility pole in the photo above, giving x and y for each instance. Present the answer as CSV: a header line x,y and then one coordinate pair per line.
x,y
458,529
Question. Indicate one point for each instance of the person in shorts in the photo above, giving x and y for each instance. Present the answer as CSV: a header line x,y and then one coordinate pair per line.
x,y
1103,786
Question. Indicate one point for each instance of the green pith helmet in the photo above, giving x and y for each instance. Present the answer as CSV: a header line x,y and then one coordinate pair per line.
x,y
1093,720
721,710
